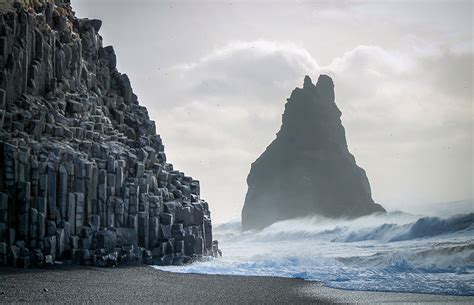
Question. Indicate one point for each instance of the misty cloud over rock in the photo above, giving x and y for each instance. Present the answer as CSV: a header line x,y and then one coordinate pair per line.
x,y
381,93
308,168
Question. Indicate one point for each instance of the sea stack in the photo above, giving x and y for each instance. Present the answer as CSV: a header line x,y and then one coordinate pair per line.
x,y
308,169
83,174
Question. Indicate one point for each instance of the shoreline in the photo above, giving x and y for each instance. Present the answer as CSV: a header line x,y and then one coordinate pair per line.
x,y
145,284
322,284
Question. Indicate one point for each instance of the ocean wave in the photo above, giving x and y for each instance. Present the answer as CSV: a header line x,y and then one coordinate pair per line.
x,y
449,259
390,252
423,227
388,228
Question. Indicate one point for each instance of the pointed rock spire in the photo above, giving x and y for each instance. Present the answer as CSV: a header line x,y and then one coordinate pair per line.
x,y
307,82
308,168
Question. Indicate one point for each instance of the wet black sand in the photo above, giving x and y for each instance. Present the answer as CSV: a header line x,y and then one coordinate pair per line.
x,y
143,284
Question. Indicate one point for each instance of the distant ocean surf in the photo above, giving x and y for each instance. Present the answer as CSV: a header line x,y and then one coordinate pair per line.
x,y
392,252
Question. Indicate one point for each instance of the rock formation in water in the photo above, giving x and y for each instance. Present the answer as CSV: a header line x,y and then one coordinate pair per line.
x,y
83,174
307,169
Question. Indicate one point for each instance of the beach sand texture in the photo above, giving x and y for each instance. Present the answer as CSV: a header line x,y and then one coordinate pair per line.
x,y
143,284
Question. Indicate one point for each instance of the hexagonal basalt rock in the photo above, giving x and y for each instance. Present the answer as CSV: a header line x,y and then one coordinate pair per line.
x,y
83,174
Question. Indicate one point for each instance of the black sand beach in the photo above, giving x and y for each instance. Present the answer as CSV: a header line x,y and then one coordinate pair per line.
x,y
143,284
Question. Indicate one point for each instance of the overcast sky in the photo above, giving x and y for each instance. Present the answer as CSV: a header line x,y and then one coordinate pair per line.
x,y
215,77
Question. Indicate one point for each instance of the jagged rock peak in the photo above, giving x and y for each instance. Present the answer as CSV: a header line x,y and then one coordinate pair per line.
x,y
308,83
83,173
308,168
325,86
324,82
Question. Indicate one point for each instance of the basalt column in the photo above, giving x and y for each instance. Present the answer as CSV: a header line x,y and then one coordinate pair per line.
x,y
83,173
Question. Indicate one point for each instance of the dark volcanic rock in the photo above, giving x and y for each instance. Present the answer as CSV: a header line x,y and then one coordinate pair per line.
x,y
83,174
308,168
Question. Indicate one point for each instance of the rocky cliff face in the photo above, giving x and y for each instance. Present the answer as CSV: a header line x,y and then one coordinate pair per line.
x,y
83,174
307,169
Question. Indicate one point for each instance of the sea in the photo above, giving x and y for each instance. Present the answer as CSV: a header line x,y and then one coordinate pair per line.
x,y
396,251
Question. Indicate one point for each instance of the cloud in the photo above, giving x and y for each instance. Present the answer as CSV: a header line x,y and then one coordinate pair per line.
x,y
401,112
408,119
235,94
225,109
234,68
419,91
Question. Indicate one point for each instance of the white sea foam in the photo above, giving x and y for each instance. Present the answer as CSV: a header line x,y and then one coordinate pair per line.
x,y
391,252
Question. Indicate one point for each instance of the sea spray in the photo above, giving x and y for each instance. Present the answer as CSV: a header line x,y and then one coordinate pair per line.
x,y
391,252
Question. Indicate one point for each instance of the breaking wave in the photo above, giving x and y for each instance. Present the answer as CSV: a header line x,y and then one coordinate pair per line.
x,y
423,227
389,252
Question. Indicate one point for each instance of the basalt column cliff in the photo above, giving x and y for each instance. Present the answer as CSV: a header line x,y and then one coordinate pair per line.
x,y
83,174
307,169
